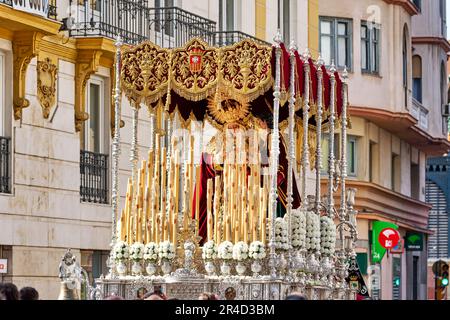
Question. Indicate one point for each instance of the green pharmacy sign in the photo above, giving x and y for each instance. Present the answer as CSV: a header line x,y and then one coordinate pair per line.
x,y
377,250
414,241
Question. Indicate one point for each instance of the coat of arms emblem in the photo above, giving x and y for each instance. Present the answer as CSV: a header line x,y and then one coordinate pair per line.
x,y
195,60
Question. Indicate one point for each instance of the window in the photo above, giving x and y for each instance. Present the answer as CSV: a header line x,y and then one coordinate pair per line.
x,y
351,156
2,94
442,12
94,126
444,97
326,150
93,158
395,172
415,181
373,161
405,63
417,78
286,21
5,141
226,15
165,15
370,48
94,262
335,41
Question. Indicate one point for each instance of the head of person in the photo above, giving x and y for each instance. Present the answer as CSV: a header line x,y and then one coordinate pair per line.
x,y
28,293
155,295
230,293
141,293
9,291
296,296
265,121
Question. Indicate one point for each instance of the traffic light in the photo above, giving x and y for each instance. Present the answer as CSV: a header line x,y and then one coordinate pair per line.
x,y
441,272
444,275
396,281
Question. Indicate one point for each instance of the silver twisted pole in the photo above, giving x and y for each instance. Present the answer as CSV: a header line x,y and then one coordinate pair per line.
x,y
343,210
331,157
275,153
305,153
115,154
134,157
318,166
291,158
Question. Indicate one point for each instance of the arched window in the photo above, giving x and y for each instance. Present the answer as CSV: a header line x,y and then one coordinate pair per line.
x,y
417,77
444,98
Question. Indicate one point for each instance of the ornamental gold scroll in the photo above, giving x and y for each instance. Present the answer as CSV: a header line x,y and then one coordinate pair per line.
x,y
145,73
46,85
194,70
246,69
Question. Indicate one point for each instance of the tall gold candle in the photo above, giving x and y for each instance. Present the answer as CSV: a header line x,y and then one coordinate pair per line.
x,y
209,194
197,198
216,209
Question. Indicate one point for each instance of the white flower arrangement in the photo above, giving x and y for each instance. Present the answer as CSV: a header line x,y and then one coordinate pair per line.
x,y
166,250
281,234
121,251
225,251
298,226
240,251
257,250
151,252
137,251
312,232
209,251
327,236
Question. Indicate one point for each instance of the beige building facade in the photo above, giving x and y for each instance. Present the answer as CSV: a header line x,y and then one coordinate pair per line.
x,y
397,123
55,154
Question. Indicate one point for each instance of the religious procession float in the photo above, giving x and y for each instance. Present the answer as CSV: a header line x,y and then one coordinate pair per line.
x,y
223,213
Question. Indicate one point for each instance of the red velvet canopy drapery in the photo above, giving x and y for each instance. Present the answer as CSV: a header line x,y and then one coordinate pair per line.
x,y
183,79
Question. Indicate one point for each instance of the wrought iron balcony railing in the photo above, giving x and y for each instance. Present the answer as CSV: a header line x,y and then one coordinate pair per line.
x,y
51,7
135,21
94,177
226,38
5,165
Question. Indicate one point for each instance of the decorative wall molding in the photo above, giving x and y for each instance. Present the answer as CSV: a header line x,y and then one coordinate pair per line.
x,y
46,84
87,63
26,46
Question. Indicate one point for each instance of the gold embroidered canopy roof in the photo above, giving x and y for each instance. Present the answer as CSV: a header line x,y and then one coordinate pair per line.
x,y
195,71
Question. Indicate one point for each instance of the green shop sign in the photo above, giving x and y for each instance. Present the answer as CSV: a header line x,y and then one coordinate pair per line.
x,y
377,250
414,241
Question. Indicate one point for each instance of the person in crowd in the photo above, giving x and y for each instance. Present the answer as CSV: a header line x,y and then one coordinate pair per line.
x,y
9,291
208,296
28,293
141,293
114,297
155,295
296,296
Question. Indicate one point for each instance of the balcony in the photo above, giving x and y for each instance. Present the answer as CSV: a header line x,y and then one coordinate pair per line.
x,y
420,113
135,21
51,7
5,166
94,177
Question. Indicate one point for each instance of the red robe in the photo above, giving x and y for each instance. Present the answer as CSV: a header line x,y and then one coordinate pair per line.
x,y
207,171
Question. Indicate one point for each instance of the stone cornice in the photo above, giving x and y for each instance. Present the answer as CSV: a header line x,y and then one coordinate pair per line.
x,y
440,41
405,4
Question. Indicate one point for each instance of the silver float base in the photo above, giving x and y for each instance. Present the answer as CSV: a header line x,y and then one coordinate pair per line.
x,y
243,288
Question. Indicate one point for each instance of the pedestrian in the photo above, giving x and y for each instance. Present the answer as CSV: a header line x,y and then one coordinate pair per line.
x,y
155,295
9,291
28,293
